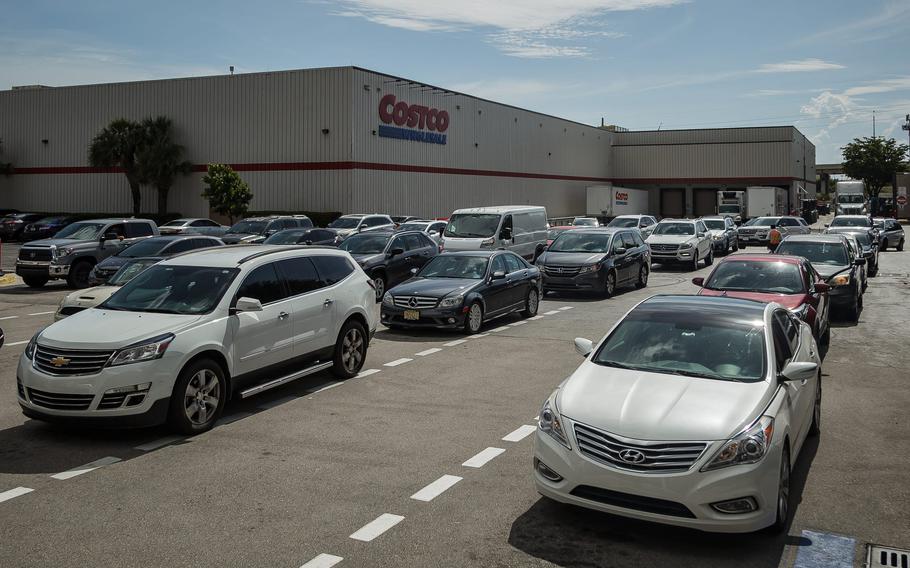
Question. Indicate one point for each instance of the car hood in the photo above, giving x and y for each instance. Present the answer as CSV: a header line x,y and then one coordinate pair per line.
x,y
654,406
109,329
669,239
434,287
113,262
90,297
571,258
55,242
716,232
826,270
789,301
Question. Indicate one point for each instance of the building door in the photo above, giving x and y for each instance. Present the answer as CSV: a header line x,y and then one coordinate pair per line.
x,y
673,202
705,202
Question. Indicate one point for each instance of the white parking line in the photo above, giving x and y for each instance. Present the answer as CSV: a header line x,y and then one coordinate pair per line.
x,y
326,387
367,373
86,468
498,329
518,323
535,318
551,312
564,308
155,444
429,352
8,318
17,343
13,493
323,561
277,402
454,343
436,488
232,418
483,457
376,527
397,362
478,335
41,313
519,433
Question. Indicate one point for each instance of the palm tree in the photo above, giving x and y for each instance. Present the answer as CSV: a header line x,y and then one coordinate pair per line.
x,y
116,146
158,158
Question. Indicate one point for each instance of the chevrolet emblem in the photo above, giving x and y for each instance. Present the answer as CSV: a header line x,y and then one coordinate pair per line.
x,y
60,361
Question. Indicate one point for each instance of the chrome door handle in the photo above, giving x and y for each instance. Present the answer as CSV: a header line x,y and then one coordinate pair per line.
x,y
328,302
283,315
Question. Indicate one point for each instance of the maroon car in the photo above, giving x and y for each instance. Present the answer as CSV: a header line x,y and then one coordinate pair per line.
x,y
791,281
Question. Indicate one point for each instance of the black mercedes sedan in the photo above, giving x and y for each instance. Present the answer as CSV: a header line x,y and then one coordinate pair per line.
x,y
461,290
388,257
596,260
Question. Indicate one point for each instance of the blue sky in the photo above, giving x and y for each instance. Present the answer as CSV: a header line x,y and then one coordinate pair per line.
x,y
821,65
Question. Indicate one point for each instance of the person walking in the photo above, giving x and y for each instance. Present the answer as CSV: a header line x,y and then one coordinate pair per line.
x,y
774,238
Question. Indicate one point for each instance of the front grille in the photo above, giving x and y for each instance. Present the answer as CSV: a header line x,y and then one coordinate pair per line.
x,y
70,310
70,361
58,401
416,302
636,502
39,254
664,248
653,457
563,271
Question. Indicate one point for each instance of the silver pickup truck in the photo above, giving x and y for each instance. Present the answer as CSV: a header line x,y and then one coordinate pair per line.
x,y
74,251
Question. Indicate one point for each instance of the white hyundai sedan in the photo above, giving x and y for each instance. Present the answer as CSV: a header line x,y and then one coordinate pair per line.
x,y
691,412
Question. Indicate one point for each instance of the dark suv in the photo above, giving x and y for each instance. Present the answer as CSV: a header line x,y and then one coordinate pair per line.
x,y
13,226
255,230
390,257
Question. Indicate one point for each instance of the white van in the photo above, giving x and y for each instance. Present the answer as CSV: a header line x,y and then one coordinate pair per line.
x,y
519,228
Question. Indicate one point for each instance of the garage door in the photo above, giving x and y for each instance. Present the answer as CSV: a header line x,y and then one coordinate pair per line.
x,y
705,202
673,203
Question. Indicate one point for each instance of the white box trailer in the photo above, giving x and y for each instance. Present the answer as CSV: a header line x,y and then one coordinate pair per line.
x,y
607,201
765,201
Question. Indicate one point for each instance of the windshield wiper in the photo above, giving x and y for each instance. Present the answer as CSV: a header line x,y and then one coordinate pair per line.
x,y
616,364
158,311
699,375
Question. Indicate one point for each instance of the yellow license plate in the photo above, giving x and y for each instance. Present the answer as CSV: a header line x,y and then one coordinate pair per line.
x,y
411,315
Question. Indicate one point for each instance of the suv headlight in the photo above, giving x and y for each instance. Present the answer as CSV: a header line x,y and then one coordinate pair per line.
x,y
591,268
685,246
32,344
748,447
452,302
550,422
154,348
841,280
388,300
62,251
801,312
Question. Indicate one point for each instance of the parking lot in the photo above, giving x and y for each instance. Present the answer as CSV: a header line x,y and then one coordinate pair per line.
x,y
425,458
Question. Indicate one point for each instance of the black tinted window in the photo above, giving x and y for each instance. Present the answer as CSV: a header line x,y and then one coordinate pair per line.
x,y
512,263
300,275
788,223
499,264
413,242
304,222
332,269
263,284
629,241
138,230
178,247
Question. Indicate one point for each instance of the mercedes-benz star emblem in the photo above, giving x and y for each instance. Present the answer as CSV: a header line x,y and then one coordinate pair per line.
x,y
412,302
631,456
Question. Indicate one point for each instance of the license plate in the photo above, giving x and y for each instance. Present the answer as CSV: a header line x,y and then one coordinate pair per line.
x,y
411,315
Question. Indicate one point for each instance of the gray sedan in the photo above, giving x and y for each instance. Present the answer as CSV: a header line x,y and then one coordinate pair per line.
x,y
891,233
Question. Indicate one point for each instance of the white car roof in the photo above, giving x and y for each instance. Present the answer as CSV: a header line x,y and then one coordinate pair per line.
x,y
234,255
500,209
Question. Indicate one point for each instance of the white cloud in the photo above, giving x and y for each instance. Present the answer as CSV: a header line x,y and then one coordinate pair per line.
x,y
798,66
520,28
882,86
783,92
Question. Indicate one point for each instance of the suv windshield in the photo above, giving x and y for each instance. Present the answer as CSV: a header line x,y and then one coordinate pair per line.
x,y
752,276
578,241
473,267
675,229
715,224
129,271
472,225
623,222
851,198
148,247
169,289
83,231
365,244
841,221
248,227
345,223
834,254
673,343
285,238
728,209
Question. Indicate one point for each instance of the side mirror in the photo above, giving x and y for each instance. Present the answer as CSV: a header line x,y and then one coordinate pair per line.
x,y
700,234
307,242
699,281
396,251
583,346
799,371
860,262
109,237
827,225
246,305
822,287
498,275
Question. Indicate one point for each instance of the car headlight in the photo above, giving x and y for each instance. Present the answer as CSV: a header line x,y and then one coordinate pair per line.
x,y
550,422
32,344
717,237
388,300
685,246
591,268
154,348
748,447
452,302
63,251
801,312
841,280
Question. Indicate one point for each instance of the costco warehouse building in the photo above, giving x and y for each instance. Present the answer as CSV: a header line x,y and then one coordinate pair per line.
x,y
353,140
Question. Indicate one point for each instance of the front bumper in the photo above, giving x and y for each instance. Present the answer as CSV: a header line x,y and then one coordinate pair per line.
x,y
589,281
663,257
434,318
693,490
753,239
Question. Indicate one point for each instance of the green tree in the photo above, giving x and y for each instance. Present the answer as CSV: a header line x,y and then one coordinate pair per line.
x,y
116,147
875,161
159,158
227,193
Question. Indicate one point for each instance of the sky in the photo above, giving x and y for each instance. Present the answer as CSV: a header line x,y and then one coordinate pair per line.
x,y
823,66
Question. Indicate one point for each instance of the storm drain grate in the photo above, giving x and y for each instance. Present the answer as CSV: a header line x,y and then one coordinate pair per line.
x,y
887,557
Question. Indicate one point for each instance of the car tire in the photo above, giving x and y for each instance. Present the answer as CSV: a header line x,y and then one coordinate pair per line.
x,y
825,339
350,350
900,245
709,260
532,303
609,284
643,273
884,245
473,318
735,245
191,409
815,429
783,495
79,274
34,281
695,260
379,284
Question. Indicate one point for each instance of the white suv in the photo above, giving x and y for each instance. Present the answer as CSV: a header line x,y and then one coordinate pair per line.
x,y
681,241
175,343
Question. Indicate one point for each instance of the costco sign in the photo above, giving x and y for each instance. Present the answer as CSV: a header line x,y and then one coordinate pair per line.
x,y
430,123
622,198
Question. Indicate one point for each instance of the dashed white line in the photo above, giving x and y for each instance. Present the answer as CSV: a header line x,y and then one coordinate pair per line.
x,y
551,312
483,457
397,362
454,343
564,308
478,335
277,402
376,527
498,329
519,433
323,561
86,468
436,488
17,343
367,373
160,442
518,323
535,318
8,318
429,352
41,313
13,493
326,386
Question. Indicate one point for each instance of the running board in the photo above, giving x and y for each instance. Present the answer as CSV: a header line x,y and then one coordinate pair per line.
x,y
285,379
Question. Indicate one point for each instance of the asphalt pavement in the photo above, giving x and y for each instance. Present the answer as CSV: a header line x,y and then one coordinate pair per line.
x,y
425,459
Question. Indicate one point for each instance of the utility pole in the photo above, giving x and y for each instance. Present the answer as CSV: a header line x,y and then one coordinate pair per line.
x,y
906,126
873,124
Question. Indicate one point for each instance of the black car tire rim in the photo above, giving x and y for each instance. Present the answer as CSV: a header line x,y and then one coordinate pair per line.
x,y
783,490
352,350
379,285
643,276
475,317
533,302
611,283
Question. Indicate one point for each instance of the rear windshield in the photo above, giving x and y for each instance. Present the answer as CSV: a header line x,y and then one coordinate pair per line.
x,y
249,227
623,222
365,243
148,247
834,254
766,221
345,223
472,225
717,224
851,222
752,276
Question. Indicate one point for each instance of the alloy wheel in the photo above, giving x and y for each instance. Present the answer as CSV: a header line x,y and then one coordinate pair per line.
x,y
352,350
379,285
610,286
643,276
202,395
783,490
533,302
475,318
